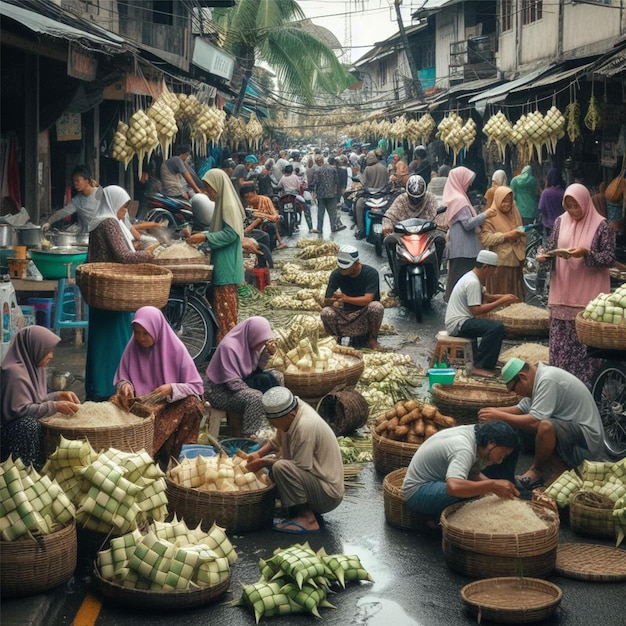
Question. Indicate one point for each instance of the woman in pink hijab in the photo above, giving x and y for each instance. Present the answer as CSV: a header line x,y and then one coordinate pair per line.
x,y
235,377
463,222
157,369
24,398
577,277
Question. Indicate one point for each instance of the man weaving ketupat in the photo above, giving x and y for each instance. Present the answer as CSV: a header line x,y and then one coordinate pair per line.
x,y
559,410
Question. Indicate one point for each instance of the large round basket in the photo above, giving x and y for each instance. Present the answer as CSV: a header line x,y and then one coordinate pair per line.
x,y
344,409
189,274
122,286
512,600
536,325
160,600
389,455
600,335
592,514
484,555
315,385
397,513
205,259
131,437
236,512
29,566
463,401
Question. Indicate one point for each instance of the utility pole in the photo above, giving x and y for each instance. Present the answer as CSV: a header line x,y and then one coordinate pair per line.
x,y
417,84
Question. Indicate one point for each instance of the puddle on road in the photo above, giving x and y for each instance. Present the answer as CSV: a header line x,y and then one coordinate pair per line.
x,y
376,611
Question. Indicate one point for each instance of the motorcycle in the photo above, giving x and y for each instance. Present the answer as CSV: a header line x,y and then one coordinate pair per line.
x,y
175,212
416,272
377,201
291,207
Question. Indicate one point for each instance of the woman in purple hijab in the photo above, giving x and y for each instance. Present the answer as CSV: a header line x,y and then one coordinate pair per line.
x,y
551,200
157,369
25,398
235,380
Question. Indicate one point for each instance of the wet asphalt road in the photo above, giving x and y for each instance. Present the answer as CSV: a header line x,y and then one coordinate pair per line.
x,y
413,585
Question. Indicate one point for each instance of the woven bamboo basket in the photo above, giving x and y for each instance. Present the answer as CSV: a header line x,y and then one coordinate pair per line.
x,y
316,385
389,455
344,409
236,512
600,335
188,274
397,513
123,287
127,438
512,600
200,260
160,600
463,401
484,555
33,565
524,326
592,514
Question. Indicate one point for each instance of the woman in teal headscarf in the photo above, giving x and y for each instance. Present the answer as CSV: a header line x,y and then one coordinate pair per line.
x,y
526,193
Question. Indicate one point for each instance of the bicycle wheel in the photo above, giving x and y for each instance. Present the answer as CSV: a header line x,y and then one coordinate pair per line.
x,y
609,393
193,324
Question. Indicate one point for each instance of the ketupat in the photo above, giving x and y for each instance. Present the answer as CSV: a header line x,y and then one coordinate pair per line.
x,y
564,487
266,599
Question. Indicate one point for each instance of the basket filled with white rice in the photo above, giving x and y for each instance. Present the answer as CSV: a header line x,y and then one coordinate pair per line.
x,y
523,319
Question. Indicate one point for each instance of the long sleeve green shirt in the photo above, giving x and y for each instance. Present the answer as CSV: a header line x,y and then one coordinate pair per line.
x,y
226,256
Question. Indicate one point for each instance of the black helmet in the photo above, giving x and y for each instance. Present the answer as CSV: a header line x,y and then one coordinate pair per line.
x,y
288,169
228,163
416,186
420,152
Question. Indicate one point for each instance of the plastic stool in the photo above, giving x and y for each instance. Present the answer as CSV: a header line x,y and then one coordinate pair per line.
x,y
453,350
262,278
70,311
43,311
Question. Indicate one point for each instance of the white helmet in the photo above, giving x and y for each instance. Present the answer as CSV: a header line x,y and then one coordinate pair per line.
x,y
416,186
203,209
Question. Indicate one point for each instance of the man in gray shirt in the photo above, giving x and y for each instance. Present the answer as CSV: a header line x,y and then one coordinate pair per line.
x,y
559,410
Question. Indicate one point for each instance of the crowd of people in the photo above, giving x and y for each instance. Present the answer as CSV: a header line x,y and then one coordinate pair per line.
x,y
132,357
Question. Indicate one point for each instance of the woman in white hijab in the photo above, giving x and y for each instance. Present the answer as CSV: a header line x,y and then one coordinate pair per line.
x,y
110,241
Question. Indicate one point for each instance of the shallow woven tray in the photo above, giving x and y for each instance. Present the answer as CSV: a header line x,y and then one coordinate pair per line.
x,y
201,260
186,274
389,455
463,401
592,514
585,561
397,513
123,286
516,326
600,335
236,512
160,600
512,600
484,555
127,438
316,385
30,566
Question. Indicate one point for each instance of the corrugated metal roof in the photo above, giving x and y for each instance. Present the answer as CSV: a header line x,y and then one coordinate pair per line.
x,y
47,26
554,77
501,91
614,65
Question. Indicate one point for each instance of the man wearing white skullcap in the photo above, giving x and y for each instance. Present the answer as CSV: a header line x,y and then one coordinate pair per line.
x,y
468,300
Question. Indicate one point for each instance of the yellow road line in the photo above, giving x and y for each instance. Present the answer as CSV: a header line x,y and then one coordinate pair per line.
x,y
88,612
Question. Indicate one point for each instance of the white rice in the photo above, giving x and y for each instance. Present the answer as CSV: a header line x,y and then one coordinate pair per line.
x,y
497,516
180,250
92,414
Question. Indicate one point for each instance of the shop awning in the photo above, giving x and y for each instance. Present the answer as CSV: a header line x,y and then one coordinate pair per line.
x,y
615,64
47,26
474,86
555,77
499,93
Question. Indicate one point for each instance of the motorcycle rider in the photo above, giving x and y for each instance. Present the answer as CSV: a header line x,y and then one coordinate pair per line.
x,y
242,176
415,202
374,176
291,185
420,164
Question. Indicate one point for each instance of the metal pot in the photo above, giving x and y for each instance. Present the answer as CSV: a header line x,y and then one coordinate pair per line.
x,y
6,235
82,239
64,239
29,235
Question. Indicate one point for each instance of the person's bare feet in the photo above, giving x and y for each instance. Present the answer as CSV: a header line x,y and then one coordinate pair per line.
x,y
373,344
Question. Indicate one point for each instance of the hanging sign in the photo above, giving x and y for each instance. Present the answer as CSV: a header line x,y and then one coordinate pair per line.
x,y
69,127
81,66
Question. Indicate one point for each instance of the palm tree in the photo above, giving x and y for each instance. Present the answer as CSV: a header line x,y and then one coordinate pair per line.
x,y
268,30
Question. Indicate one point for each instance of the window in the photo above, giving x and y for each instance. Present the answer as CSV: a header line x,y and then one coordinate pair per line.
x,y
506,15
163,12
383,70
532,11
